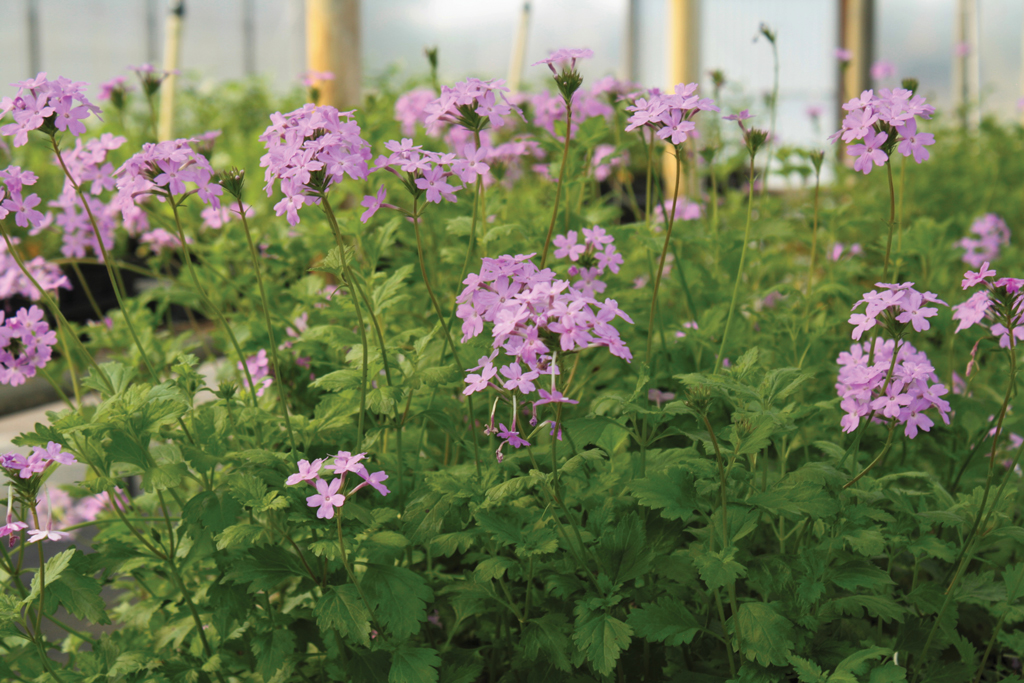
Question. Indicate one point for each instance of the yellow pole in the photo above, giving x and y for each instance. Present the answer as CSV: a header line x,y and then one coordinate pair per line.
x,y
172,58
333,44
515,67
683,27
855,32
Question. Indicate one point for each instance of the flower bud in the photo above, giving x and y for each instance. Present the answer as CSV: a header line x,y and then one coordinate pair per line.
x,y
231,180
910,84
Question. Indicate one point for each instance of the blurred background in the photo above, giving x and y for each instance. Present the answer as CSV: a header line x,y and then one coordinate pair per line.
x,y
962,51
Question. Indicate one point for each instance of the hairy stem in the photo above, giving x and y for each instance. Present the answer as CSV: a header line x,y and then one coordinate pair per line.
x,y
739,272
561,181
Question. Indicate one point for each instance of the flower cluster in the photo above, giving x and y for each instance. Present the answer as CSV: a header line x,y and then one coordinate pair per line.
x,y
685,210
590,258
898,305
606,159
992,234
885,122
329,494
163,168
26,344
473,104
533,317
670,115
548,108
259,370
1000,301
423,171
50,106
36,462
87,164
869,389
411,108
308,150
11,199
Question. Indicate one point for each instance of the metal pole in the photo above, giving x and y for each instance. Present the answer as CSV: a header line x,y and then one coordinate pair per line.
x,y
35,62
172,58
515,67
333,44
248,38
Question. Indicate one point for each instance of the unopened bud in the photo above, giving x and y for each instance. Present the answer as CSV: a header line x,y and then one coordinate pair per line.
x,y
910,84
232,181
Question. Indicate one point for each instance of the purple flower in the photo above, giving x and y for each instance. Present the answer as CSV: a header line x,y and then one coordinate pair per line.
x,y
345,462
843,55
37,100
326,498
308,471
657,396
993,234
912,142
971,278
259,370
26,343
376,480
566,246
869,152
882,69
511,437
411,108
564,55
478,382
554,396
372,204
742,116
434,182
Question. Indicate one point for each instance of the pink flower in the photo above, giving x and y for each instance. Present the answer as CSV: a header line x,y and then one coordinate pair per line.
x,y
435,183
326,498
308,471
742,116
912,142
882,69
869,152
372,204
843,55
478,382
971,278
375,480
566,246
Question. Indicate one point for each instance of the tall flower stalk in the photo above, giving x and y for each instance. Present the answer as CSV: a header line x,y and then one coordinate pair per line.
x,y
753,139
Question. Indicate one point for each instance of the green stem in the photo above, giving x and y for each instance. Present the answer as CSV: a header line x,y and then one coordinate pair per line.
x,y
352,575
88,292
270,329
350,276
561,180
885,449
814,252
112,273
892,221
661,262
739,271
440,321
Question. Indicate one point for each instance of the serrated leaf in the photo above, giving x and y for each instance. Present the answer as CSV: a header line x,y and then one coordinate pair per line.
x,y
239,536
547,635
806,670
718,569
262,569
672,492
163,477
272,650
666,621
601,638
764,634
494,568
879,606
55,566
414,665
623,550
399,597
340,608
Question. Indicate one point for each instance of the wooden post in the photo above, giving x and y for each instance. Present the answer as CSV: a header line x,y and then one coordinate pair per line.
x,y
683,67
856,33
172,60
966,64
515,66
333,44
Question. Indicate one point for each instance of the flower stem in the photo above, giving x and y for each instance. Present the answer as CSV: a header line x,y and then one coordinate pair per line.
x,y
333,221
739,271
209,304
661,262
88,292
270,329
115,277
814,250
885,449
352,575
561,180
892,221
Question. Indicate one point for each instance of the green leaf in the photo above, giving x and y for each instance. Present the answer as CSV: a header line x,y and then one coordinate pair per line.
x,y
854,575
341,609
672,492
857,664
392,291
119,374
880,606
399,597
892,673
122,448
868,542
272,650
547,635
623,550
666,621
263,569
163,477
601,637
764,634
806,670
494,568
239,536
80,594
718,569
55,566
414,665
